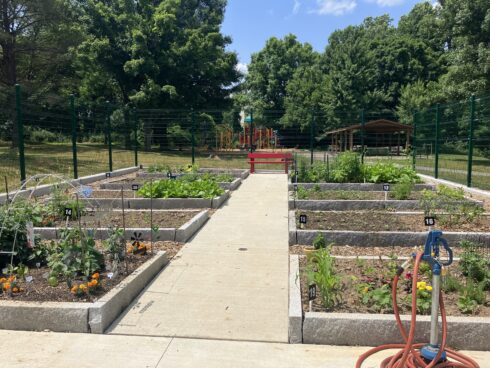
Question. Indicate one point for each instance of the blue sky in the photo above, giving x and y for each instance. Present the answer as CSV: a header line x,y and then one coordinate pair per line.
x,y
251,22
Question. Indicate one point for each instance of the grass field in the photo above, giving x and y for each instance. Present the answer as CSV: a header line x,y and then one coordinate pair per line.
x,y
94,158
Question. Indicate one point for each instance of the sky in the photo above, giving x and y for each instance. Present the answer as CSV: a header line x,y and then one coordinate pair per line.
x,y
251,22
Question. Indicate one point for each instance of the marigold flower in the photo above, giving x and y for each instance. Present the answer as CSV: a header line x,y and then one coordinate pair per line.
x,y
11,279
74,289
2,280
82,287
6,286
15,290
96,276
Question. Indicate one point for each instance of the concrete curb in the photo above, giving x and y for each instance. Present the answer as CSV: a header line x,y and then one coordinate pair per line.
x,y
352,329
381,238
48,188
80,317
231,186
295,307
293,239
354,186
182,234
186,231
103,312
158,203
217,202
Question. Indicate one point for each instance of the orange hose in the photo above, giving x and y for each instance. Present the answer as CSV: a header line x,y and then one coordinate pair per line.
x,y
409,355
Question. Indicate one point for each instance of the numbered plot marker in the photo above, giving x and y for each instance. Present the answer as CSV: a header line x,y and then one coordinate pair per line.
x,y
135,187
429,221
68,212
108,175
386,187
312,292
303,219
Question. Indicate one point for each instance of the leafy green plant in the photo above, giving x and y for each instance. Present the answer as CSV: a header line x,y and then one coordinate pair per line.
x,y
60,201
471,297
388,172
473,265
181,189
321,271
424,298
377,298
319,242
116,247
450,284
403,189
347,168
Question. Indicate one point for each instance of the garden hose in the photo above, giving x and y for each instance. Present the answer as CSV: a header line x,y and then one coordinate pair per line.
x,y
409,355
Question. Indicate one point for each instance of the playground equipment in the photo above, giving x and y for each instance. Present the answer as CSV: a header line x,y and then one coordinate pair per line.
x,y
262,138
224,138
432,355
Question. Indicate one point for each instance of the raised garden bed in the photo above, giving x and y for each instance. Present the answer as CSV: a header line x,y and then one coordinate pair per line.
x,y
128,184
353,186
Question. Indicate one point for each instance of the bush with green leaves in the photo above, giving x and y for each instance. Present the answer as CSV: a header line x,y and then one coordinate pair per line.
x,y
321,272
181,189
319,242
474,265
403,189
347,168
388,172
450,206
472,295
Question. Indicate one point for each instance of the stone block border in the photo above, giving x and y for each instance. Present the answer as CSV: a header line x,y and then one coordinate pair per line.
x,y
237,173
353,329
159,203
351,205
48,188
295,307
370,187
182,234
80,317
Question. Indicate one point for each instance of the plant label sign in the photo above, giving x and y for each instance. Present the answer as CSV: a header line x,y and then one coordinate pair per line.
x,y
296,173
386,187
135,187
429,221
68,212
295,187
303,219
108,175
312,292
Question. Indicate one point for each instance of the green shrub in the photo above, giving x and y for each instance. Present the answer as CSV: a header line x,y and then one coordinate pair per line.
x,y
403,189
319,242
347,168
387,172
181,189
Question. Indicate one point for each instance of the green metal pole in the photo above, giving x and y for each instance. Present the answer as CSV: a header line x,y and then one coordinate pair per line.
x,y
251,130
436,146
20,132
74,135
312,133
109,135
362,136
134,115
193,137
414,146
470,141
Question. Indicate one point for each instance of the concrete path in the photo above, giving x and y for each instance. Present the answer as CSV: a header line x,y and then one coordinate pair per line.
x,y
231,281
53,350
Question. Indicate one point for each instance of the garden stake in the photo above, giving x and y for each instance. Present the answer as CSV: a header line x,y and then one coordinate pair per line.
x,y
7,189
124,228
151,216
419,355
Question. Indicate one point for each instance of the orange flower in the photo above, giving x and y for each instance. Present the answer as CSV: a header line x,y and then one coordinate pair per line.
x,y
141,247
74,289
82,287
11,279
92,283
6,286
15,290
96,276
2,280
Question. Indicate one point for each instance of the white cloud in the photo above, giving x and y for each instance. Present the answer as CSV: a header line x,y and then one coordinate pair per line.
x,y
387,2
296,6
335,7
242,68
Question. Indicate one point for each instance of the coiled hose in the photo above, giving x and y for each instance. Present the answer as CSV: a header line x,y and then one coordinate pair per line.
x,y
409,354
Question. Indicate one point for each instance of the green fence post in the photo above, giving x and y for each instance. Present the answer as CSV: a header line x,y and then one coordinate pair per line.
x,y
414,138
312,138
470,141
20,132
109,135
134,115
251,130
436,146
362,136
193,136
74,135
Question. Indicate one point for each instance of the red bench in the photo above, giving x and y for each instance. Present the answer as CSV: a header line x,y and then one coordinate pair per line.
x,y
285,159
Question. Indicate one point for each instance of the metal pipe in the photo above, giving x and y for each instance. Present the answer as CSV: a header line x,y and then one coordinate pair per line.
x,y
434,319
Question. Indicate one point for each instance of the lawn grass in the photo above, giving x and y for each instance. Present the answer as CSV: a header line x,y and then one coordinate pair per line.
x,y
94,158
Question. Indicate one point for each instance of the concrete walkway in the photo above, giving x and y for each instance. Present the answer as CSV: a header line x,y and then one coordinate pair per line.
x,y
231,280
54,350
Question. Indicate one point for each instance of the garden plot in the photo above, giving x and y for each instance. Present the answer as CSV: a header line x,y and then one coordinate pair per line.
x,y
159,171
353,303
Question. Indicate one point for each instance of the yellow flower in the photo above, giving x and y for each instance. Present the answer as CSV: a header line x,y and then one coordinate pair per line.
x,y
421,285
74,289
82,287
428,288
365,290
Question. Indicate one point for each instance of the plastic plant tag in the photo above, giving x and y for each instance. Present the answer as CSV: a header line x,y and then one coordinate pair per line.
x,y
386,187
312,292
108,175
303,219
429,221
68,212
295,187
29,279
110,275
135,187
86,192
